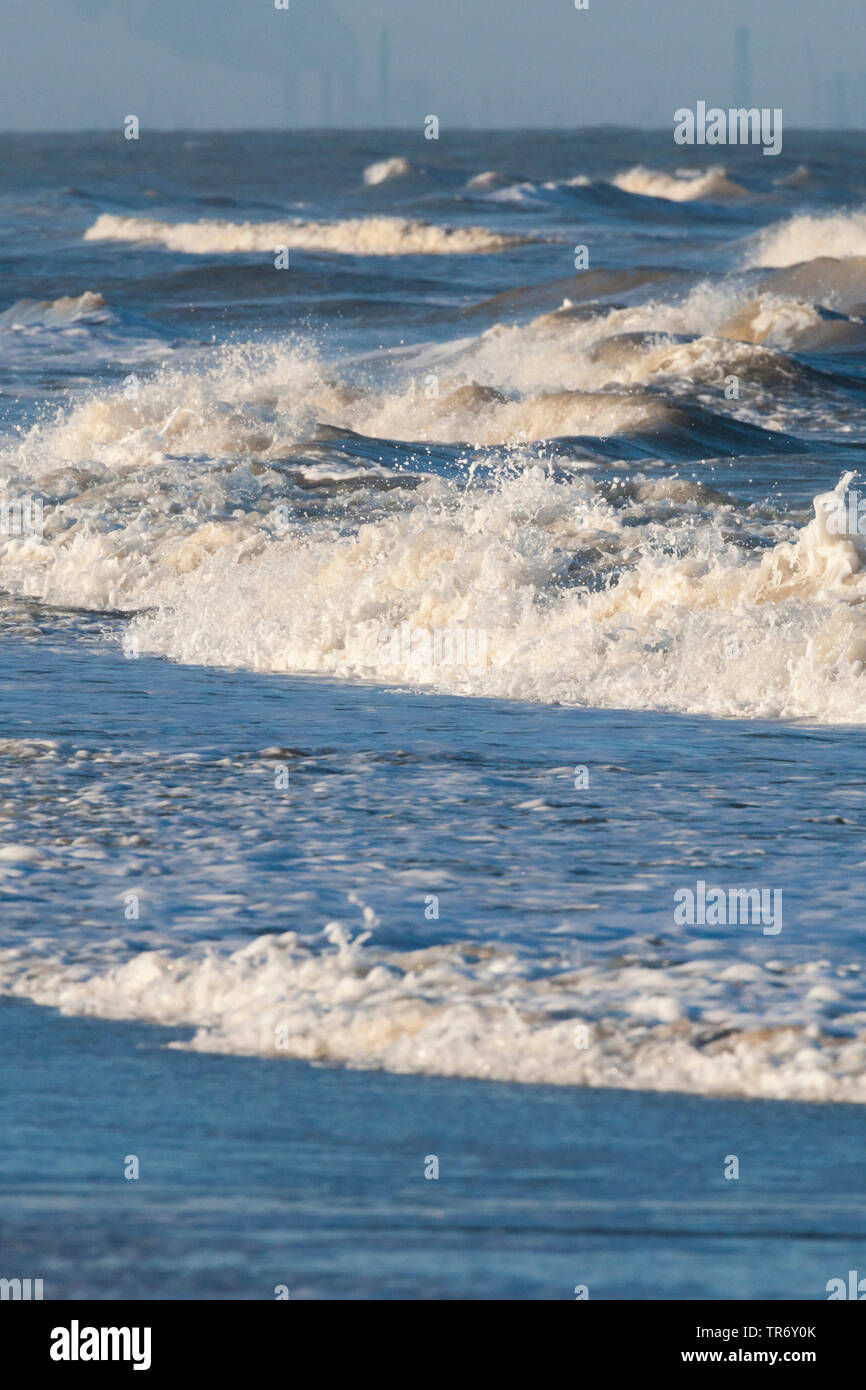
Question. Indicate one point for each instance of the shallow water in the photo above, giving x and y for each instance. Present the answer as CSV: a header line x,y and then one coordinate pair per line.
x,y
254,1176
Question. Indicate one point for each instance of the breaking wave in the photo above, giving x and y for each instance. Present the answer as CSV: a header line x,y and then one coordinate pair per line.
x,y
56,313
681,187
805,237
485,1012
83,328
359,236
387,169
608,594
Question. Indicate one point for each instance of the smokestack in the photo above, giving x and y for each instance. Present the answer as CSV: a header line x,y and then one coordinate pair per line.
x,y
742,68
385,77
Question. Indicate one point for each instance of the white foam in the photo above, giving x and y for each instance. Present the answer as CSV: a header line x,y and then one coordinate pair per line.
x,y
489,560
805,238
527,194
480,1011
137,526
681,187
587,348
385,170
483,183
479,416
358,236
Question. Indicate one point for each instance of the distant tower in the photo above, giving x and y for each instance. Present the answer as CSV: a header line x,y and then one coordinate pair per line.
x,y
814,87
840,101
325,95
384,77
742,68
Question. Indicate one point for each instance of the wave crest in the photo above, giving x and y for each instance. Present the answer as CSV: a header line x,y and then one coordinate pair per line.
x,y
469,1011
807,237
385,170
681,187
358,236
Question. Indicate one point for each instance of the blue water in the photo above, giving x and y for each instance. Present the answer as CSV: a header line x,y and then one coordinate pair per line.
x,y
247,798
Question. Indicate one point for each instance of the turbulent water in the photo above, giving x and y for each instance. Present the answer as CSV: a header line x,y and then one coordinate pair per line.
x,y
343,407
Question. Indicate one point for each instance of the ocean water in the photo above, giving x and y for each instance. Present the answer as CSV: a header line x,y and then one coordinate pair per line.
x,y
398,623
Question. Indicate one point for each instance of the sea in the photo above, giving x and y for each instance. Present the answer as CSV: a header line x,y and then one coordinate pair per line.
x,y
432,697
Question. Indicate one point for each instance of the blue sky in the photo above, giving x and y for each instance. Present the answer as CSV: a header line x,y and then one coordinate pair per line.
x,y
85,64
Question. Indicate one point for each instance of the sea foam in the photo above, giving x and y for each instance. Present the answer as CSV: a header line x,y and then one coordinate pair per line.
x,y
357,236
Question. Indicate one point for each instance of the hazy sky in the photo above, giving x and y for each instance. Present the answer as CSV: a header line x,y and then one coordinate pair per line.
x,y
85,64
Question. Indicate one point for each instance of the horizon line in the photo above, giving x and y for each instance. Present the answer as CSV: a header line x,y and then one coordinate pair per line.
x,y
402,130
